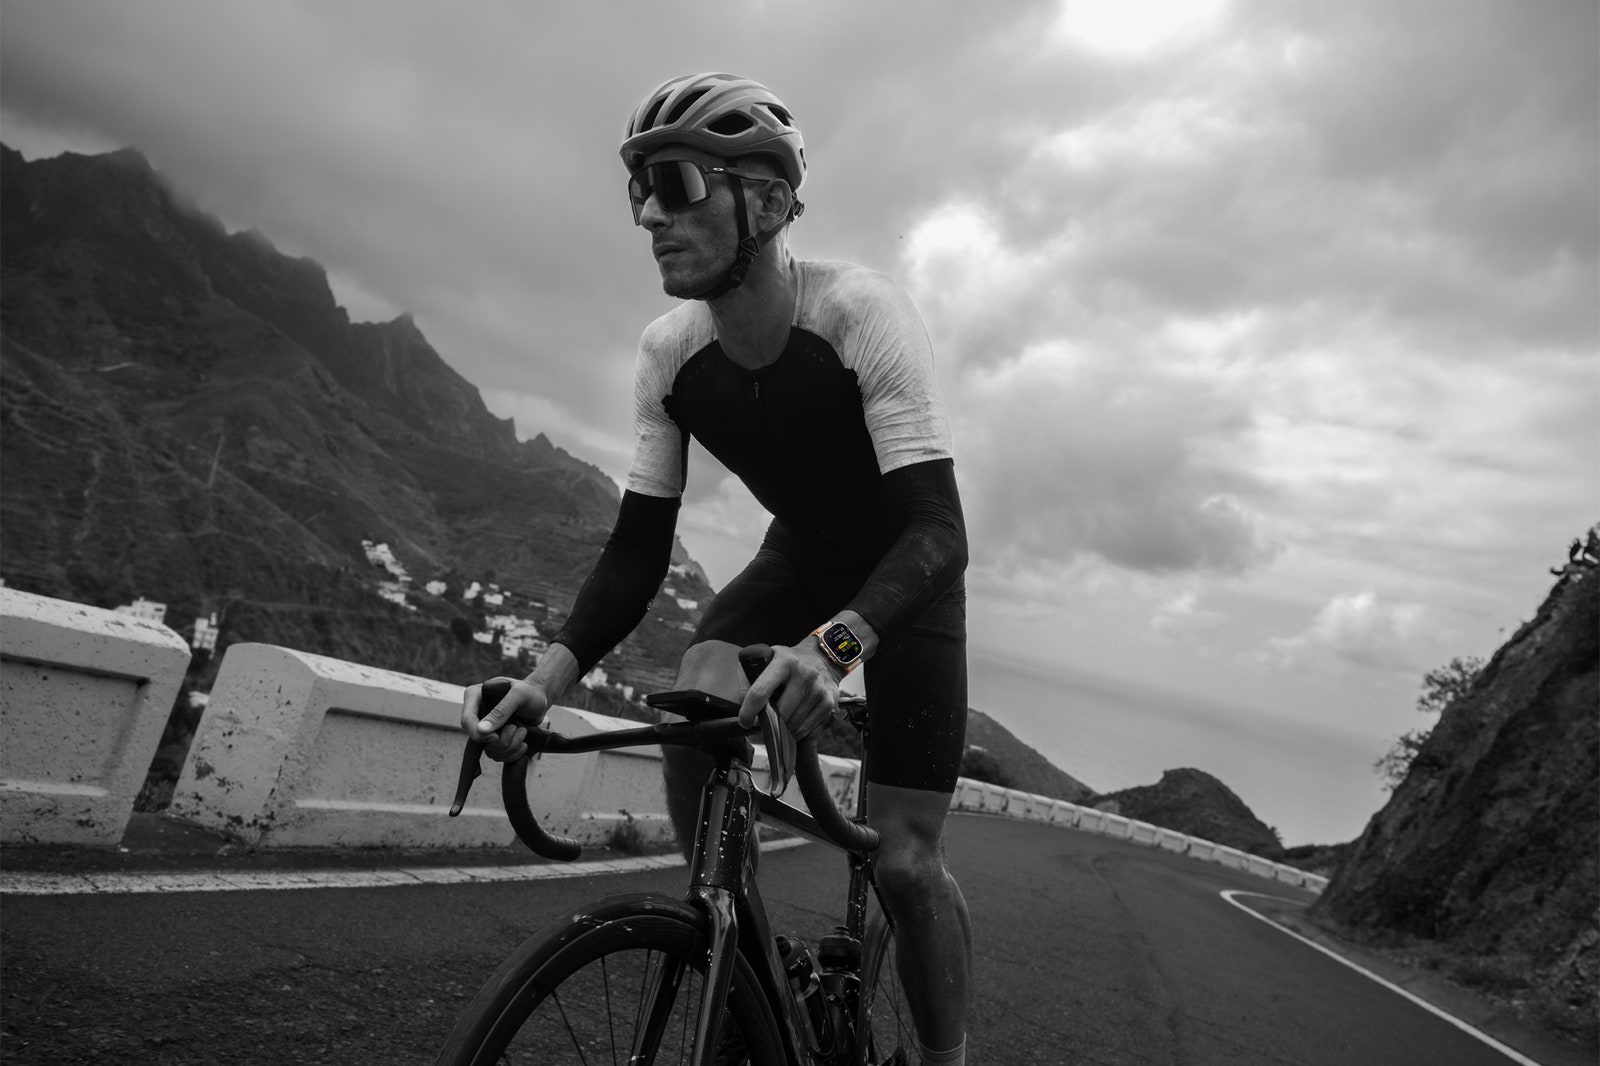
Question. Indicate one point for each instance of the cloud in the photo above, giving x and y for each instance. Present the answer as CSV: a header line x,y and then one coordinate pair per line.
x,y
1356,628
1226,295
1182,614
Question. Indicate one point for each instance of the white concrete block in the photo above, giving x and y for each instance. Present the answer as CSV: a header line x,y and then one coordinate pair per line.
x,y
84,696
1115,825
1144,833
1037,808
1065,814
1171,841
1232,858
297,749
301,749
1262,867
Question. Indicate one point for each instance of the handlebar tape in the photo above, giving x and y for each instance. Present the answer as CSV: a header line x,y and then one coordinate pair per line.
x,y
513,790
514,793
850,835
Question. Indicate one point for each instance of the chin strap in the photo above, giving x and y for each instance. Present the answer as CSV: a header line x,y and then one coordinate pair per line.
x,y
749,249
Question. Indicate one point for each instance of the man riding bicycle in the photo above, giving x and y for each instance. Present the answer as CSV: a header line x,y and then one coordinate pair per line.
x,y
812,381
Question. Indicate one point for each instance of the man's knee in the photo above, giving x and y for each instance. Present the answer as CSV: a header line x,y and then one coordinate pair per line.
x,y
908,875
909,863
710,666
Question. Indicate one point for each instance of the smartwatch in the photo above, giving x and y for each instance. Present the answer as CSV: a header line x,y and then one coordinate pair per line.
x,y
840,645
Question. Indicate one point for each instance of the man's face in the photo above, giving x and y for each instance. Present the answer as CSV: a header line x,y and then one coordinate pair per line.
x,y
693,246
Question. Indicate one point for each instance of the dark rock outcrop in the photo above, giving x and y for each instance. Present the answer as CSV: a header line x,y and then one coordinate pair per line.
x,y
1490,848
1194,802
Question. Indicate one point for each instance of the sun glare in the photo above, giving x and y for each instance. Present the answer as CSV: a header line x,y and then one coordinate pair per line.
x,y
1133,26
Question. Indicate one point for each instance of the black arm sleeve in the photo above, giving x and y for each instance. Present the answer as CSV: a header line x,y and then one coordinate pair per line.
x,y
928,557
624,580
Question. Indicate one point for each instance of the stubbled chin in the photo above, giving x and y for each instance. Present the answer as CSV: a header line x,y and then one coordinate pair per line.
x,y
679,287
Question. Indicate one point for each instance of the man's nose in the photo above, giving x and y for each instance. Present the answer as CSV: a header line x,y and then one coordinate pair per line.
x,y
651,216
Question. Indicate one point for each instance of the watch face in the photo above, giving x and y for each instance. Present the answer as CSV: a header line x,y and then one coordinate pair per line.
x,y
843,643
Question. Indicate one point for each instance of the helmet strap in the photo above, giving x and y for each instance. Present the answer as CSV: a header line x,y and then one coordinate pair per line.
x,y
747,252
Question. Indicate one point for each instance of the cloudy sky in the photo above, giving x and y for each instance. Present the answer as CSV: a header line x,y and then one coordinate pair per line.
x,y
1269,329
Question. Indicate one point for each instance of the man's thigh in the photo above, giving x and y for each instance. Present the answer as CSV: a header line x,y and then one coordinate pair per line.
x,y
917,690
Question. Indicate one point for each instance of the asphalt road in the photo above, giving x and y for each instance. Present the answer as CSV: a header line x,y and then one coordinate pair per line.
x,y
1090,951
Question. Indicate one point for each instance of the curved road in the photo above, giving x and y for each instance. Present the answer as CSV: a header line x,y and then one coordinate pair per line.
x,y
1090,951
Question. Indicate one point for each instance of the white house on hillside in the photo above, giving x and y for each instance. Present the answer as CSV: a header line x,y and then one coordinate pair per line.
x,y
147,609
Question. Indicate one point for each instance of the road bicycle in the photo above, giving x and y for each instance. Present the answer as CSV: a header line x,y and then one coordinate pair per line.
x,y
703,980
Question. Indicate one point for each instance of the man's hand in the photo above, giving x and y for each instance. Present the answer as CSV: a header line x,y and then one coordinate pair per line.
x,y
503,728
807,687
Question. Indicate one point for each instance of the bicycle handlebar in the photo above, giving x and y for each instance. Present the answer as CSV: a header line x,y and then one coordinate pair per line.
x,y
852,836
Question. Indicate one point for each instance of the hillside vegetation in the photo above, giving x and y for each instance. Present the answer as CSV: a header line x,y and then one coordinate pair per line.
x,y
1486,860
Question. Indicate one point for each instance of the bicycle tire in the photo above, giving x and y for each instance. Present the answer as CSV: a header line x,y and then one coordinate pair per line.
x,y
885,1035
600,955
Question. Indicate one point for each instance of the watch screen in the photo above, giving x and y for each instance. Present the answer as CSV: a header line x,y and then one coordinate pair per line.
x,y
843,643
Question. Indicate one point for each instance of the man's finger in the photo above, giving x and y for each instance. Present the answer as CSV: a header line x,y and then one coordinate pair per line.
x,y
495,692
754,703
760,694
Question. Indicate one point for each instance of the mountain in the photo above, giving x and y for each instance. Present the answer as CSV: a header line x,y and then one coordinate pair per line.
x,y
189,415
186,414
1019,766
1193,802
1487,856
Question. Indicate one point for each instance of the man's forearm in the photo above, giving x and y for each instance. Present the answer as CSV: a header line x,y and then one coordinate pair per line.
x,y
556,671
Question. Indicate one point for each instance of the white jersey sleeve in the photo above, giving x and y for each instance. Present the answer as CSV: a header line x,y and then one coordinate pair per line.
x,y
876,330
660,450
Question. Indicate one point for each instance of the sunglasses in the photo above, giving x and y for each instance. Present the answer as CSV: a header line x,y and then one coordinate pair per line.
x,y
677,184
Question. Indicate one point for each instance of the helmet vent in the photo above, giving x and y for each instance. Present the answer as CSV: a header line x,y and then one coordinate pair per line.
x,y
731,124
781,115
649,120
683,105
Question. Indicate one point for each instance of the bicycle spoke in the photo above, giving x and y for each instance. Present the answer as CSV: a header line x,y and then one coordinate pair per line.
x,y
555,997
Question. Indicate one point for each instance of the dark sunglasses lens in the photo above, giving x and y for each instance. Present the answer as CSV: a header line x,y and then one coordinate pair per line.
x,y
678,184
674,185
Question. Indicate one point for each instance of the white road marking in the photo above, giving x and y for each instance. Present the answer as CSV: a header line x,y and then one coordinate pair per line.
x,y
27,884
1511,1053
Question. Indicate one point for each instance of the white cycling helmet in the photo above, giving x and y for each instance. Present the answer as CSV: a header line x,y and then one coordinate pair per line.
x,y
728,117
723,114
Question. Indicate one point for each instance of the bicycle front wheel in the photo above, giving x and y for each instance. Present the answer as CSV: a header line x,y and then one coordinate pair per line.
x,y
620,978
884,1034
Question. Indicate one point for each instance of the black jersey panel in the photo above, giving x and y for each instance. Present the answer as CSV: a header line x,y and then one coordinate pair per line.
x,y
795,433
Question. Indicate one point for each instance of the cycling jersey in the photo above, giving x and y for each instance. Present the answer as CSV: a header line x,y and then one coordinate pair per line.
x,y
843,438
852,397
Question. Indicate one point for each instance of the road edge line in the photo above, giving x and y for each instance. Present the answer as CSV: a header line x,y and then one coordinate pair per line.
x,y
127,883
1471,1030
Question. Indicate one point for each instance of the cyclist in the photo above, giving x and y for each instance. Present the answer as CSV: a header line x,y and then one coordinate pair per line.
x,y
812,381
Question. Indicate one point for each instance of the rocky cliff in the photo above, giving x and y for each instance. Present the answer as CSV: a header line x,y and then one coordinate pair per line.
x,y
188,415
1488,853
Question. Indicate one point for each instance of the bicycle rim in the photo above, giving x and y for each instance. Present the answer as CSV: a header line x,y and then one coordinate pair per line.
x,y
886,1036
593,987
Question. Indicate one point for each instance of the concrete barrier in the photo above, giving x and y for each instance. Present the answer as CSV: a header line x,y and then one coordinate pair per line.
x,y
84,696
1167,840
297,749
1115,825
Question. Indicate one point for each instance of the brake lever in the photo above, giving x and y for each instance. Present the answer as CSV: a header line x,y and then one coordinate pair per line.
x,y
471,769
472,756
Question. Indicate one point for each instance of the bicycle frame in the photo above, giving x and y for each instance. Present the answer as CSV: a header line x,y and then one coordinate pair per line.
x,y
722,882
726,890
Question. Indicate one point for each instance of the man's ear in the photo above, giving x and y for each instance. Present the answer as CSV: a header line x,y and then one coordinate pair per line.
x,y
774,205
